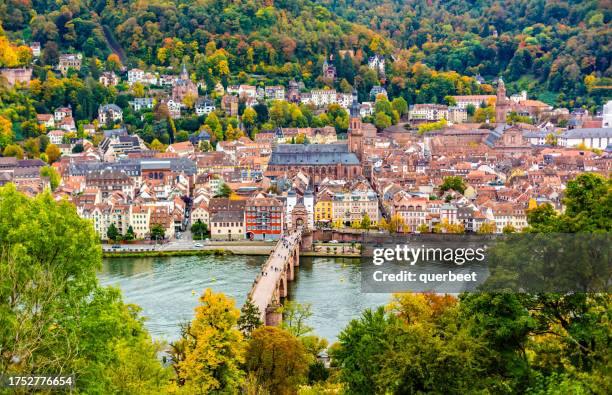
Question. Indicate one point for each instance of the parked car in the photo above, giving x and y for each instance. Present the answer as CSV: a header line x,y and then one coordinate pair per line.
x,y
199,245
334,241
116,246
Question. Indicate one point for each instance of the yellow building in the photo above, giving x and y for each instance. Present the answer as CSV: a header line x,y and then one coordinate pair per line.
x,y
323,208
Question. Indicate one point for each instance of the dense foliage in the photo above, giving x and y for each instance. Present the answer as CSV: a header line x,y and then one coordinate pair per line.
x,y
544,46
54,317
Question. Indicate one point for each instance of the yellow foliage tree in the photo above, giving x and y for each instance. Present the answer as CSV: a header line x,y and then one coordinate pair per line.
x,y
487,227
233,133
8,54
156,145
212,348
447,227
397,224
6,132
53,153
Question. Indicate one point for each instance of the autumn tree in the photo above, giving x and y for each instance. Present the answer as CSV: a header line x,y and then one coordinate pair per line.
x,y
213,347
366,222
396,224
277,359
53,153
6,132
487,227
13,150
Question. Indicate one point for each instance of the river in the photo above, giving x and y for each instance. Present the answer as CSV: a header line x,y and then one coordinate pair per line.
x,y
167,289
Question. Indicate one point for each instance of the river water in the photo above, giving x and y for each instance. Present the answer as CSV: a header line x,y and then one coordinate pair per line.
x,y
167,289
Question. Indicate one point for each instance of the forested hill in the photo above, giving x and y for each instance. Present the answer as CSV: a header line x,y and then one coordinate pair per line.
x,y
557,50
162,32
544,45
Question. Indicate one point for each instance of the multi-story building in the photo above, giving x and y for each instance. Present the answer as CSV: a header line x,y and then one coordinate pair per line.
x,y
264,218
109,78
463,101
351,206
61,113
140,217
227,225
323,208
377,90
141,103
413,210
69,61
109,182
598,138
15,76
204,106
428,112
109,113
274,92
321,97
135,75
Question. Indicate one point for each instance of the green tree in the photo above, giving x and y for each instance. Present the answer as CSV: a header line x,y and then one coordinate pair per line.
x,y
360,353
454,183
250,318
53,313
199,229
112,232
470,109
157,232
400,105
382,120
224,191
212,121
366,222
213,348
129,234
294,317
277,359
54,176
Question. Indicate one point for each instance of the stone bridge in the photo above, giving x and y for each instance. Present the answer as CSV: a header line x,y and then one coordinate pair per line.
x,y
271,284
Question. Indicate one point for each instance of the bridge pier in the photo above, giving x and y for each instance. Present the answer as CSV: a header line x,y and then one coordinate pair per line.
x,y
273,316
289,270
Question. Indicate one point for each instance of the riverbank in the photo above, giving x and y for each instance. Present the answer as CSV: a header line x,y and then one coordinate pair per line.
x,y
162,253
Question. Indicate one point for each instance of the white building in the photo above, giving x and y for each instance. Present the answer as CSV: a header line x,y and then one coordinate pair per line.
x,y
56,136
607,115
323,97
377,63
109,113
141,103
204,106
598,138
274,92
428,112
61,113
135,75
